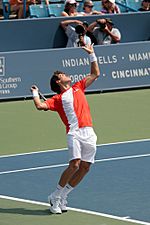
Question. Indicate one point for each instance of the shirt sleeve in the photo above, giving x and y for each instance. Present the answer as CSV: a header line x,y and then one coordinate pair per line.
x,y
81,84
69,31
116,32
51,103
87,40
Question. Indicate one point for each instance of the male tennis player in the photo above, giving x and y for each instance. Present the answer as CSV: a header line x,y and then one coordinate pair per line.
x,y
72,107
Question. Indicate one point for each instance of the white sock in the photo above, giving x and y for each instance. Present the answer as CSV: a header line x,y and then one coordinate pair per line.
x,y
66,190
58,191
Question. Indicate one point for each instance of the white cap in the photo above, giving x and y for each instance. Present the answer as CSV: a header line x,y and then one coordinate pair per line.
x,y
71,1
112,1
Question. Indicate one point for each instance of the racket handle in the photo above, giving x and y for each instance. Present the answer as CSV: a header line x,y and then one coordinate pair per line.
x,y
42,96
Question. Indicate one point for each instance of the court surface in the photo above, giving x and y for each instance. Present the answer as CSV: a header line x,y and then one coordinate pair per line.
x,y
117,186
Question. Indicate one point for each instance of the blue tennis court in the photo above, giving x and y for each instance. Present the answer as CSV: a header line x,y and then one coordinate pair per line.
x,y
118,183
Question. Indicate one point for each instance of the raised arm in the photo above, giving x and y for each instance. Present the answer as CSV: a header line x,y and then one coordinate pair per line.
x,y
36,98
65,23
95,72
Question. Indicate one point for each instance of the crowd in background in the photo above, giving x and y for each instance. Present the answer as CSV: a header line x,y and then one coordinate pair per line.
x,y
71,7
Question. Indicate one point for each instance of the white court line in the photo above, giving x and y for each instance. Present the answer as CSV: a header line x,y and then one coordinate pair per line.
x,y
64,149
34,168
66,164
125,219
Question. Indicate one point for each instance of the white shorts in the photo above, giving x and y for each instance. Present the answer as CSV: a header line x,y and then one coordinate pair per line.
x,y
82,144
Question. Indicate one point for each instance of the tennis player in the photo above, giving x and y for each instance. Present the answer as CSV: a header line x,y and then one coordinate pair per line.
x,y
71,104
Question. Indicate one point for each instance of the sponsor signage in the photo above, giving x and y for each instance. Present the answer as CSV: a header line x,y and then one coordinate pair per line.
x,y
122,66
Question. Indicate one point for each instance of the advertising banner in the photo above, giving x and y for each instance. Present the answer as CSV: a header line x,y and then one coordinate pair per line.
x,y
122,66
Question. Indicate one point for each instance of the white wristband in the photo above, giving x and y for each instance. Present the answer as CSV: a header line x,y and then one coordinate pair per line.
x,y
93,57
35,93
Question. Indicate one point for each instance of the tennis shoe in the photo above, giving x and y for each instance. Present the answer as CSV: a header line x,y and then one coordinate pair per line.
x,y
63,204
54,204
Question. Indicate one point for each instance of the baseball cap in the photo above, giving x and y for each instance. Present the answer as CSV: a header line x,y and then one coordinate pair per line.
x,y
108,20
71,1
112,1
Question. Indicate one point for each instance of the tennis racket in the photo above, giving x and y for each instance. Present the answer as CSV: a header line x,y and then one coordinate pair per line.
x,y
42,96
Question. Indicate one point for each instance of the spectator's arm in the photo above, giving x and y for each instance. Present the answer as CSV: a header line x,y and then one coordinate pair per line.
x,y
64,14
92,26
47,2
117,9
96,12
65,23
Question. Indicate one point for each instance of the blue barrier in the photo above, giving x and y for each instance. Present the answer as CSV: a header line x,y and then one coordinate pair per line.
x,y
122,66
44,33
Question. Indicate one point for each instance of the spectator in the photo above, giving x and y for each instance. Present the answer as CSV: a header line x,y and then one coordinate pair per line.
x,y
87,7
17,7
109,6
70,9
104,32
145,5
76,35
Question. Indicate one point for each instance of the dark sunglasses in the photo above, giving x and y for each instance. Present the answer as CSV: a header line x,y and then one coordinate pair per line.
x,y
74,4
89,6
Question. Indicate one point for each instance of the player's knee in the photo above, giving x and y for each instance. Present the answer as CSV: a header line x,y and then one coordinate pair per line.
x,y
85,167
74,165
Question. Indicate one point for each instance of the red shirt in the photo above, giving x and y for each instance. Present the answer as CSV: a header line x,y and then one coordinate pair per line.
x,y
72,107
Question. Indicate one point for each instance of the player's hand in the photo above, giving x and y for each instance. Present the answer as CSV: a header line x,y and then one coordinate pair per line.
x,y
88,48
34,87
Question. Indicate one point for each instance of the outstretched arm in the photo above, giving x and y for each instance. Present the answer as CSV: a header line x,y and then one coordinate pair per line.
x,y
36,98
95,72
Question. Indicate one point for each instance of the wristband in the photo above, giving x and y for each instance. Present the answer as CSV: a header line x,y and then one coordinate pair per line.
x,y
35,93
93,57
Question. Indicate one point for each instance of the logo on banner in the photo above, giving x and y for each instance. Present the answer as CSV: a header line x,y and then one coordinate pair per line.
x,y
8,83
2,66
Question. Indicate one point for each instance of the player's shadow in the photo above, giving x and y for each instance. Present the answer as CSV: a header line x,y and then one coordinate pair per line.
x,y
24,211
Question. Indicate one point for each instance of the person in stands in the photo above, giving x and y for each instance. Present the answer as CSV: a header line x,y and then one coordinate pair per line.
x,y
88,9
145,6
109,6
76,34
70,9
105,32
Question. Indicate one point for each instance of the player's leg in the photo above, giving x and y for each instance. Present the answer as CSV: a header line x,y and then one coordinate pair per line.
x,y
80,173
75,179
69,172
55,199
87,140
